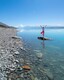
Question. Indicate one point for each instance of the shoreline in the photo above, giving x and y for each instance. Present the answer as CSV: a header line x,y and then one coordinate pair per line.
x,y
10,45
16,63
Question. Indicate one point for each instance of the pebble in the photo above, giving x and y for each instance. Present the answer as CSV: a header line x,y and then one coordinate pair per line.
x,y
12,66
22,49
3,52
21,75
1,75
49,74
39,55
62,67
15,37
22,60
12,69
37,51
0,65
16,52
17,61
36,78
3,78
21,68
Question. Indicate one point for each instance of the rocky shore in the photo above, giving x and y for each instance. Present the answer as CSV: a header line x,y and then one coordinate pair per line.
x,y
17,63
9,47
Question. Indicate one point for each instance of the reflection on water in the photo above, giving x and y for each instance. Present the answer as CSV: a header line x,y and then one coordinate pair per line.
x,y
46,56
43,44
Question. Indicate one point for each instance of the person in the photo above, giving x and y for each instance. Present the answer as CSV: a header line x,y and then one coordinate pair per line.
x,y
42,32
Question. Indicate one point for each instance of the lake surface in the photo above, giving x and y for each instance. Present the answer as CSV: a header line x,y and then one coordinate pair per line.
x,y
51,51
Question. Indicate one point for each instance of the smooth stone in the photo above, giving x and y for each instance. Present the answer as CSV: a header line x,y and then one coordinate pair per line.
x,y
32,77
9,78
49,74
37,50
2,50
22,48
7,72
12,69
3,78
16,61
15,37
22,60
21,68
1,75
17,52
21,75
10,56
42,38
62,67
12,65
39,55
36,78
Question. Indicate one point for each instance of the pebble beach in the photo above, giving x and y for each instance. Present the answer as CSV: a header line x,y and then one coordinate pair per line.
x,y
9,45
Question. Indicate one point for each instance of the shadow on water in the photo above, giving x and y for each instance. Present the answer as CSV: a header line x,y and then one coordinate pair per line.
x,y
43,43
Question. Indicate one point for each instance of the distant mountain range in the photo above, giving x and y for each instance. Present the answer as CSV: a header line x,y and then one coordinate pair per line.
x,y
31,27
37,27
5,25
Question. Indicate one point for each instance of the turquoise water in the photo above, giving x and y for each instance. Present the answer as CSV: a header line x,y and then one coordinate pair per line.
x,y
52,50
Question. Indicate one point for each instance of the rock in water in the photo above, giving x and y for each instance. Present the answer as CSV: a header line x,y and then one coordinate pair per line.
x,y
39,55
16,52
49,74
36,78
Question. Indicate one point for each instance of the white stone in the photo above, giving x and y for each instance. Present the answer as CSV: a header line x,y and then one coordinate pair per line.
x,y
12,69
16,52
16,61
39,55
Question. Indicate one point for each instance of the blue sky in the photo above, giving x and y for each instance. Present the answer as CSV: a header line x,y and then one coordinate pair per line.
x,y
32,12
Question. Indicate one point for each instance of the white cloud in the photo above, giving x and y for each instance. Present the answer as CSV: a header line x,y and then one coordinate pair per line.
x,y
19,26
